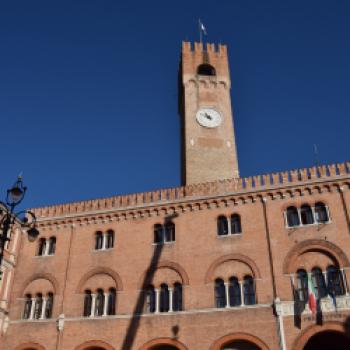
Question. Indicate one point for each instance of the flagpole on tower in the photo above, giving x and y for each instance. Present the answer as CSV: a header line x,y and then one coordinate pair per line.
x,y
202,30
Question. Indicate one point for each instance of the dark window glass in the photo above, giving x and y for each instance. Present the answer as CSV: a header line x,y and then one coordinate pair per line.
x,y
206,69
169,232
236,224
38,306
49,306
42,246
302,285
100,302
222,226
249,290
164,298
150,299
220,293
99,240
177,297
110,239
158,233
52,245
292,217
87,303
235,292
111,301
335,281
321,214
318,282
306,214
27,307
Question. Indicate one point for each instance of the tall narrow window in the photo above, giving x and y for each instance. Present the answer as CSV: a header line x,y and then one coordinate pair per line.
x,y
321,213
38,306
100,302
150,299
110,239
158,233
302,285
319,282
87,303
236,224
335,281
307,217
49,306
164,298
111,301
292,217
27,307
220,293
52,245
169,232
99,240
42,246
235,292
177,297
222,226
249,290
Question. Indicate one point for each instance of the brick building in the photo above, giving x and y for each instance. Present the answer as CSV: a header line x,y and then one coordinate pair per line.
x,y
222,262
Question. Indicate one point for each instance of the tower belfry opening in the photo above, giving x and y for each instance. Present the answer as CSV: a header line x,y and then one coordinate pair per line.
x,y
208,141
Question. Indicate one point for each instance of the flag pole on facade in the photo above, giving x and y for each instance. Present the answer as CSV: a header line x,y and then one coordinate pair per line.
x,y
202,30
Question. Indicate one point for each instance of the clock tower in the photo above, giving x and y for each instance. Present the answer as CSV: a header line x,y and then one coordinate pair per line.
x,y
208,142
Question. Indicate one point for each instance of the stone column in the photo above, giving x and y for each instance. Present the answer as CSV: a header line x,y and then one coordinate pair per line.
x,y
242,292
43,307
227,294
47,247
93,303
105,305
157,300
171,295
32,309
104,240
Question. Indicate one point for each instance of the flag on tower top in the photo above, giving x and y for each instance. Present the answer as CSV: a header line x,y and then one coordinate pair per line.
x,y
202,28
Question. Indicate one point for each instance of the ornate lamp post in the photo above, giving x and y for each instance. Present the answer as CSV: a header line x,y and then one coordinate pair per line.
x,y
8,216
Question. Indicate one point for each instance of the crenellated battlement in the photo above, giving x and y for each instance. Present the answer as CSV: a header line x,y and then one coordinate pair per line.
x,y
199,48
222,187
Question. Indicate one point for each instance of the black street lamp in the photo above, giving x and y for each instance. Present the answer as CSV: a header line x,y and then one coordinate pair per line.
x,y
8,216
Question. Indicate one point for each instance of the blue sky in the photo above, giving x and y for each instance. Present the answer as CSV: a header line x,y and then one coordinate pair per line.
x,y
88,89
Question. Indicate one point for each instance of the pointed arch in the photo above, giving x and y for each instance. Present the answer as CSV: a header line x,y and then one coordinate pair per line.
x,y
315,245
96,271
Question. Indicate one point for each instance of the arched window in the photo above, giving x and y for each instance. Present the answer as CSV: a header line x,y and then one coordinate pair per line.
x,y
292,217
100,302
158,233
42,246
222,226
319,282
236,224
38,306
49,306
321,213
109,239
150,299
306,214
111,301
98,240
87,303
169,232
206,69
335,281
27,307
164,298
220,293
302,285
52,245
235,292
249,290
177,297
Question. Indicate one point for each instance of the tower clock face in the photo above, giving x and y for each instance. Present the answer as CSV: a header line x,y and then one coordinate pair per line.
x,y
209,117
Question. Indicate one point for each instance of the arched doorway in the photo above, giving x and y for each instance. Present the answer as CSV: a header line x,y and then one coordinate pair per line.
x,y
240,345
328,340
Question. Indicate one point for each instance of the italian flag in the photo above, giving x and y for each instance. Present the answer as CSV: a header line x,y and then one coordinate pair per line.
x,y
312,295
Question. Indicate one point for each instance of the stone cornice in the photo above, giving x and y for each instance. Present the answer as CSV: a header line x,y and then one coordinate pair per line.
x,y
199,196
